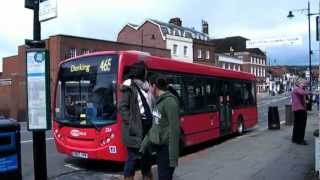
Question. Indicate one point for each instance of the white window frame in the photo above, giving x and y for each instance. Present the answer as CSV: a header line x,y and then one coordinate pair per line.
x,y
185,51
72,52
178,32
175,49
199,53
207,54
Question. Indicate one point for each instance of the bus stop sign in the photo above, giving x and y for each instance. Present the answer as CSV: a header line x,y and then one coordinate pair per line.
x,y
38,89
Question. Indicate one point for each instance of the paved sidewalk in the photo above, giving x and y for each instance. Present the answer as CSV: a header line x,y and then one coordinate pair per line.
x,y
257,155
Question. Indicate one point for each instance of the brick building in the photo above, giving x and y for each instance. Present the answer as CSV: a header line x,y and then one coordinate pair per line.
x,y
254,60
61,47
229,62
186,44
203,52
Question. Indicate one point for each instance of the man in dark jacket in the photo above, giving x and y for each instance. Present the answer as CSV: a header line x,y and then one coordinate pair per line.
x,y
135,107
165,132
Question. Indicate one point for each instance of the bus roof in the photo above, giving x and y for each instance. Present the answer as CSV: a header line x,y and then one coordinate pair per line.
x,y
193,68
168,64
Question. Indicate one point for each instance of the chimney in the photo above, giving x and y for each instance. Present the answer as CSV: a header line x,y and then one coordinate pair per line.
x,y
205,27
176,21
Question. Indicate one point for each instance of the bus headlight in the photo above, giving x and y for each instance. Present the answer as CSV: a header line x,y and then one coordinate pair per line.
x,y
57,134
107,139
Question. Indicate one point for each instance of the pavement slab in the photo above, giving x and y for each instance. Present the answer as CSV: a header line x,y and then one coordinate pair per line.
x,y
261,155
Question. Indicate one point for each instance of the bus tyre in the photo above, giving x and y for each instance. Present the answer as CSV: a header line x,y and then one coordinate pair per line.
x,y
240,127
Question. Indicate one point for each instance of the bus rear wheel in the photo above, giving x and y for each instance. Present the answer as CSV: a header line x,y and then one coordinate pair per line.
x,y
240,127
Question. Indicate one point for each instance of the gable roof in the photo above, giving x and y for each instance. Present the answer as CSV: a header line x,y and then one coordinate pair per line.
x,y
172,29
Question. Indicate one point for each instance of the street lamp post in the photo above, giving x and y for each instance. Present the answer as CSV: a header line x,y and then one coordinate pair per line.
x,y
290,15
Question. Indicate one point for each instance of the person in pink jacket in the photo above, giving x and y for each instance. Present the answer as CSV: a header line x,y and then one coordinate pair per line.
x,y
299,107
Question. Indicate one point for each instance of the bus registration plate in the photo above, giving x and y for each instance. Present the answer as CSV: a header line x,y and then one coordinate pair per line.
x,y
80,155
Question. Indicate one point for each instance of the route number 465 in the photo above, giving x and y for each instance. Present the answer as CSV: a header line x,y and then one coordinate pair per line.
x,y
105,65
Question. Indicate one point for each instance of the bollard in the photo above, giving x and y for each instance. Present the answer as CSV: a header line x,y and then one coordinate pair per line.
x,y
273,118
289,115
309,103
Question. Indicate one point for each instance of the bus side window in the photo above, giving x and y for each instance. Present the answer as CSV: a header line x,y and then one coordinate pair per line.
x,y
175,85
237,94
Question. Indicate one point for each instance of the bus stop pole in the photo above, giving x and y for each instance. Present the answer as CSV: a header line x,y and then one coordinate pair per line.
x,y
39,155
39,137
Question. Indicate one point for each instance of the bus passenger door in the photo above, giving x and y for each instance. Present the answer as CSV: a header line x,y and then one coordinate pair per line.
x,y
225,109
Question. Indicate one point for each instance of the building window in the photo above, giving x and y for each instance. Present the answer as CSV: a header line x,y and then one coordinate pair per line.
x,y
84,51
199,54
174,50
188,34
207,54
185,51
72,52
176,32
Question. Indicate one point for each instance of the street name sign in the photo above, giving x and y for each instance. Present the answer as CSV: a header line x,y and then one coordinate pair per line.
x,y
47,10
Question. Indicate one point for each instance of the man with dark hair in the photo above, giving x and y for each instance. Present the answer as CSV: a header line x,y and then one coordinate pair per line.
x,y
165,132
135,107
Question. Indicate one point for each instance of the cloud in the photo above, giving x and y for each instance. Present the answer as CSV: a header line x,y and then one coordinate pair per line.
x,y
104,18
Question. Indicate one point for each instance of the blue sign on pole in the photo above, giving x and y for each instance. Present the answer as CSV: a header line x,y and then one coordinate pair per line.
x,y
8,163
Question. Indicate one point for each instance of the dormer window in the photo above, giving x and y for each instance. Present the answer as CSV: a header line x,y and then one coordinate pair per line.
x,y
165,30
170,31
187,34
177,32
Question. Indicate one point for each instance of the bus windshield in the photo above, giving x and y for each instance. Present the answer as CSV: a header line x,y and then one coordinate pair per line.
x,y
86,94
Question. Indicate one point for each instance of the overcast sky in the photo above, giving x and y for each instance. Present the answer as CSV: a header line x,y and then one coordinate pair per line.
x,y
254,19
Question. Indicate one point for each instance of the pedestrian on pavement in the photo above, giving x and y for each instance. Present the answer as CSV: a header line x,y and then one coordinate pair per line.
x,y
164,135
135,107
299,108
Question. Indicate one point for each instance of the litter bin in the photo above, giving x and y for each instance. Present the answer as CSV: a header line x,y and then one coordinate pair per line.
x,y
273,118
289,115
10,152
